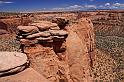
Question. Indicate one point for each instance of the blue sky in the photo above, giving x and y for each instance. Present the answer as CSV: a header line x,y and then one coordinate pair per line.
x,y
58,5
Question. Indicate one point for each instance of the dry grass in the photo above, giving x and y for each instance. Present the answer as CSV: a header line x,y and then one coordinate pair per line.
x,y
9,43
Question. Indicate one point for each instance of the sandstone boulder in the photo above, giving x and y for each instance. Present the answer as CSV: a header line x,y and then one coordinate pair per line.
x,y
44,25
44,39
12,62
40,34
61,21
27,42
27,29
58,32
55,28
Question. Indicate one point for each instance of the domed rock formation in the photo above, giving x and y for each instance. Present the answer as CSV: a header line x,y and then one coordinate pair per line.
x,y
12,62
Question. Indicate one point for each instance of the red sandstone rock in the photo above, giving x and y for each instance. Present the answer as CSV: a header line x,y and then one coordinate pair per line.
x,y
27,42
68,57
40,34
80,43
28,29
61,21
3,32
28,75
58,32
44,25
12,62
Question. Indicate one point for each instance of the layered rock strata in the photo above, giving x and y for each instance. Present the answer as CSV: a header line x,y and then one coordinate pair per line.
x,y
44,43
60,53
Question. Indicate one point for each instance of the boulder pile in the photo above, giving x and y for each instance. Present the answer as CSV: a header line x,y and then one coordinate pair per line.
x,y
40,32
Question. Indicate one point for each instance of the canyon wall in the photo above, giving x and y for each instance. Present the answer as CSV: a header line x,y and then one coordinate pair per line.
x,y
9,25
109,24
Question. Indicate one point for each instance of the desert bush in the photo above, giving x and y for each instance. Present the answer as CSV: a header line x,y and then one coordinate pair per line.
x,y
114,47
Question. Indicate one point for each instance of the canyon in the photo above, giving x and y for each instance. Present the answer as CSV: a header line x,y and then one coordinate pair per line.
x,y
66,47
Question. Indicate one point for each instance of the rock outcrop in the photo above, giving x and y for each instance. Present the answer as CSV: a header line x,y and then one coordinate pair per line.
x,y
45,49
60,54
80,47
10,24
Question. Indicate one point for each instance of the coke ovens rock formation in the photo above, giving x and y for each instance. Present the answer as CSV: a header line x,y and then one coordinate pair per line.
x,y
60,54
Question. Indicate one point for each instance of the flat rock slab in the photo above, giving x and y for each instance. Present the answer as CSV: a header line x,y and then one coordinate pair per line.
x,y
42,34
12,62
58,32
43,25
28,75
28,29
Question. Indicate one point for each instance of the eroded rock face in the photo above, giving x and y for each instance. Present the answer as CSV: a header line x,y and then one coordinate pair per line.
x,y
80,45
45,49
61,21
10,24
61,55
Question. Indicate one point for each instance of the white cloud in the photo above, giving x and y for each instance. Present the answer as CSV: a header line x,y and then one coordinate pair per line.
x,y
118,5
91,6
73,7
88,6
58,8
107,4
5,2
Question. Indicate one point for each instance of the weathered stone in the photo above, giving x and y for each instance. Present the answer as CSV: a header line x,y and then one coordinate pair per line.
x,y
55,28
19,37
80,41
27,42
26,34
40,34
40,26
28,29
61,21
28,75
58,32
12,62
44,25
68,57
3,32
44,39
59,38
